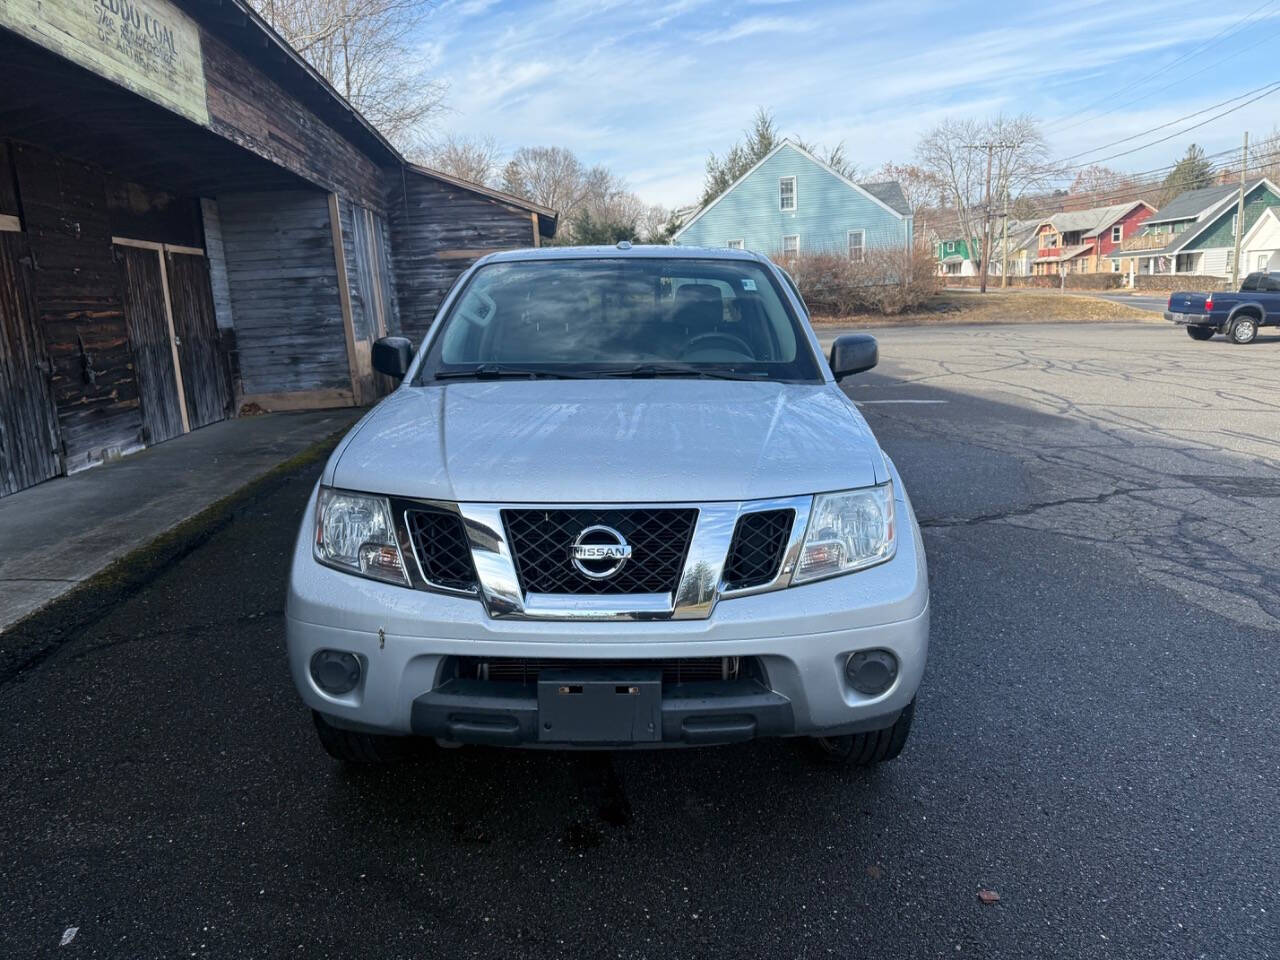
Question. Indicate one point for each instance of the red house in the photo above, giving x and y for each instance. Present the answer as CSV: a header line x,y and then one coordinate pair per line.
x,y
1073,241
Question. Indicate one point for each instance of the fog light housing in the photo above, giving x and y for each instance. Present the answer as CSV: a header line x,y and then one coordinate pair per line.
x,y
335,671
871,672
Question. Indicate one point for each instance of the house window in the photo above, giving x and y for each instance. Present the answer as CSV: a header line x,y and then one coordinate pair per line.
x,y
1115,266
735,245
790,245
787,193
1117,233
1263,260
857,245
1231,259
1235,223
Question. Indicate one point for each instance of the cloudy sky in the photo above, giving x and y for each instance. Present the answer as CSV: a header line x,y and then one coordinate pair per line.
x,y
648,87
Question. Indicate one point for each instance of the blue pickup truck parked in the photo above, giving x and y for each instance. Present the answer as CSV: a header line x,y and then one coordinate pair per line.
x,y
1237,315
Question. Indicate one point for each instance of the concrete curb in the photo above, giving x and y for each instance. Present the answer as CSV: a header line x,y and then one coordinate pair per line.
x,y
35,638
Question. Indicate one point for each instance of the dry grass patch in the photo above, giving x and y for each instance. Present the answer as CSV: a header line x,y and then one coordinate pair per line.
x,y
1015,306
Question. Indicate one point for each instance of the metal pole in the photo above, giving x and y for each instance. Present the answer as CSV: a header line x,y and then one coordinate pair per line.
x,y
1004,245
986,225
1235,261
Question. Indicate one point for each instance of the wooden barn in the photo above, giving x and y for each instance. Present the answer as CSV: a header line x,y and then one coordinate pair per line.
x,y
192,223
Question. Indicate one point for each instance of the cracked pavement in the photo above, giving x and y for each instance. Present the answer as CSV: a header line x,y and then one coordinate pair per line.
x,y
1134,438
1095,740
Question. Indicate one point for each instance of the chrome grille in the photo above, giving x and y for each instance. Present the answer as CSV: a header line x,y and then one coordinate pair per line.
x,y
541,541
759,541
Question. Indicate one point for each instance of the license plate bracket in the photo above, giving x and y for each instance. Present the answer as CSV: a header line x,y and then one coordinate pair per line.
x,y
600,705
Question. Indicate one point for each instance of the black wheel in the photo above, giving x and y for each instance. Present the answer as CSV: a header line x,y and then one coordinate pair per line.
x,y
864,749
1200,333
352,747
1243,330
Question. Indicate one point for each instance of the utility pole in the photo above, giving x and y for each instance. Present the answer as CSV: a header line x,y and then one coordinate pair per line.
x,y
986,224
990,146
1004,245
1235,261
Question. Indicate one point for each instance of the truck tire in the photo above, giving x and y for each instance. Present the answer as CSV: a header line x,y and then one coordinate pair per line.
x,y
350,746
863,749
1200,333
1243,330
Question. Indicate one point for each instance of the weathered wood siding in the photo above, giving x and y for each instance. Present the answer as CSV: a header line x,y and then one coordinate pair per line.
x,y
284,292
146,316
28,428
437,232
251,110
369,271
215,250
81,312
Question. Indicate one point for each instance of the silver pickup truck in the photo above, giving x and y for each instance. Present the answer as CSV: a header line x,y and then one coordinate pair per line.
x,y
617,501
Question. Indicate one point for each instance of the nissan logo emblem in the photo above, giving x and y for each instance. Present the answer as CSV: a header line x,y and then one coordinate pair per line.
x,y
599,552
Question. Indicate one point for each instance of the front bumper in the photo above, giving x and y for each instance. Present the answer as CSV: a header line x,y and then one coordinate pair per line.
x,y
1191,319
800,637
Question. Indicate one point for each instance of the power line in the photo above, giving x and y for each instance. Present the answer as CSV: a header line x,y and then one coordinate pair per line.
x,y
1195,126
1232,28
1165,168
1269,87
1181,80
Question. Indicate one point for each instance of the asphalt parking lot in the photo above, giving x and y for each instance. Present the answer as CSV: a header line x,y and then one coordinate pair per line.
x,y
1096,738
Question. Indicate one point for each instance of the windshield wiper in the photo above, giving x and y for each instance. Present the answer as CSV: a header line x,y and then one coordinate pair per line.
x,y
654,370
495,371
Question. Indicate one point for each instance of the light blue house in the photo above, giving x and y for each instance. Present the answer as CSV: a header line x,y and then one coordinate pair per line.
x,y
791,202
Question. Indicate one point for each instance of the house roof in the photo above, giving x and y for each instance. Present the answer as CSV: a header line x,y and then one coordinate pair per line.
x,y
890,194
787,142
1093,221
1224,203
510,199
1192,203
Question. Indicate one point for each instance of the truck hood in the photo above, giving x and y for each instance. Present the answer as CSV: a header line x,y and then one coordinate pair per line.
x,y
609,441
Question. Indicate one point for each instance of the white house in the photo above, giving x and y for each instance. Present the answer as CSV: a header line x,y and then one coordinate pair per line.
x,y
1260,247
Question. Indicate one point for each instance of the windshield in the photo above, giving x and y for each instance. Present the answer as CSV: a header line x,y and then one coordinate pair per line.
x,y
636,317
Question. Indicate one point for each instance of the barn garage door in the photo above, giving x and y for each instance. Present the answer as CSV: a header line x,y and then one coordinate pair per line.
x,y
183,378
205,377
28,427
147,319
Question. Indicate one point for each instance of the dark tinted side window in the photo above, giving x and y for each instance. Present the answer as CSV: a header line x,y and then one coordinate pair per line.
x,y
1252,282
1271,282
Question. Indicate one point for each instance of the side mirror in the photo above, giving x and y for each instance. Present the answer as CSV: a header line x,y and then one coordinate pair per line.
x,y
392,356
853,353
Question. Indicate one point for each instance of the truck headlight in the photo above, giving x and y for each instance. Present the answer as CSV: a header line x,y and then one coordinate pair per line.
x,y
848,531
354,532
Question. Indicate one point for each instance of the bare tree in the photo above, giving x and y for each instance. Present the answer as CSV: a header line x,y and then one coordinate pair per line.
x,y
985,166
364,49
657,224
591,201
551,176
1264,156
921,188
468,158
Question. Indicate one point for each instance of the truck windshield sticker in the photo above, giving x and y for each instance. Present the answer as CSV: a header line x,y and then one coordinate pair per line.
x,y
748,284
